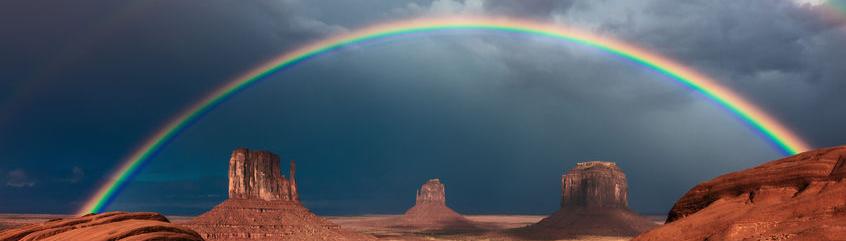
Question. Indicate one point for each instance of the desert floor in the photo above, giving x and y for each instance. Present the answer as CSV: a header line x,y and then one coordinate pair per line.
x,y
492,227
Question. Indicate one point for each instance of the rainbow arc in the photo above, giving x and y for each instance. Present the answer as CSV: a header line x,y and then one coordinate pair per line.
x,y
784,140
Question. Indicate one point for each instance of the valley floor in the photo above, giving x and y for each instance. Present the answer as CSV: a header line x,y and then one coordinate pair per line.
x,y
491,227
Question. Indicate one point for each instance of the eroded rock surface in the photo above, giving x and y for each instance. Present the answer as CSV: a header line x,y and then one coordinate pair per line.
x,y
264,205
433,191
594,184
802,197
104,227
256,219
594,202
256,175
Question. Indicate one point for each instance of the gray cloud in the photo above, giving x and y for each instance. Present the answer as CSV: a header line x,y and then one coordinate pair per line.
x,y
19,178
780,54
76,175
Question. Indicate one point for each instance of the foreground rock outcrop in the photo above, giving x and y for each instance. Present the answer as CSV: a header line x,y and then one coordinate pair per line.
x,y
802,197
264,205
594,202
430,211
104,227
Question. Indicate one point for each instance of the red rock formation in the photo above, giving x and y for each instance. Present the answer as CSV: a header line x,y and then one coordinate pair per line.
x,y
263,205
797,198
432,192
594,185
256,219
104,226
257,175
594,202
430,211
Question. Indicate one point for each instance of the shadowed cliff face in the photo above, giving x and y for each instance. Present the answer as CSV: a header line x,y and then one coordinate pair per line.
x,y
797,198
594,201
594,185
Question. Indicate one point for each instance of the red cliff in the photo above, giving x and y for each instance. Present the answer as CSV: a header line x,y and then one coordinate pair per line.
x,y
104,227
797,198
256,175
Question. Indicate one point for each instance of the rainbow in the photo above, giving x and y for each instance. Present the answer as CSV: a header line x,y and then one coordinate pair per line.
x,y
837,5
782,138
830,10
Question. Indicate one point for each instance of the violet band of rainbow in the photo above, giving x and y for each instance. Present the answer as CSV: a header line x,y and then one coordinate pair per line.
x,y
784,140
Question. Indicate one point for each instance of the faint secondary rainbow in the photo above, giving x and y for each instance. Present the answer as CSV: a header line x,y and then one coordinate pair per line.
x,y
770,129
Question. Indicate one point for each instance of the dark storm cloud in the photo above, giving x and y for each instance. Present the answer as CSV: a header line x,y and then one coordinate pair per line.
x,y
774,52
87,80
778,53
497,116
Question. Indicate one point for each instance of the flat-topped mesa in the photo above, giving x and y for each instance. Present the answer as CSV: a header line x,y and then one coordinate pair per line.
x,y
431,192
594,184
256,175
593,203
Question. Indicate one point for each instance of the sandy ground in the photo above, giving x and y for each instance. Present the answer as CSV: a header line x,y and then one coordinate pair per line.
x,y
491,226
373,224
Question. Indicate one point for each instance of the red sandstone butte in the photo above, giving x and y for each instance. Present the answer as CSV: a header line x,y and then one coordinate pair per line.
x,y
430,211
256,175
264,205
104,227
594,201
802,197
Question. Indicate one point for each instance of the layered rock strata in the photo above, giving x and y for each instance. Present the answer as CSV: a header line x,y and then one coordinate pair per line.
x,y
104,227
594,201
594,184
256,175
796,198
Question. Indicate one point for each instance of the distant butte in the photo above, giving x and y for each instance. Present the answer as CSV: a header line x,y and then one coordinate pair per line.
x,y
430,211
801,197
264,205
594,201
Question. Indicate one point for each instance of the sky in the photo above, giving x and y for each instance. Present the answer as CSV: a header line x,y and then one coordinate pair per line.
x,y
498,117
